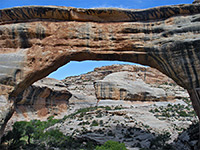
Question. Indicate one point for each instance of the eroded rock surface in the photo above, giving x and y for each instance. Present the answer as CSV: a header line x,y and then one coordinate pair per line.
x,y
167,40
106,82
49,97
46,97
135,123
37,40
6,111
122,86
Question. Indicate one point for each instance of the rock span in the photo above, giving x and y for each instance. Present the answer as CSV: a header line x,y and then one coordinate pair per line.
x,y
35,41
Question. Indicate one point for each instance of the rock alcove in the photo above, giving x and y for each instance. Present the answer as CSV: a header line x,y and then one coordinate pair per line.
x,y
35,41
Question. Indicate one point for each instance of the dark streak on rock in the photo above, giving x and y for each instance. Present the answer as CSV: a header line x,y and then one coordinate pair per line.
x,y
23,35
185,64
191,58
25,16
155,54
13,33
173,47
161,63
146,31
39,12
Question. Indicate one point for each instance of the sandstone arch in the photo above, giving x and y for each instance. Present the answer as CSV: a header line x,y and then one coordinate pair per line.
x,y
35,41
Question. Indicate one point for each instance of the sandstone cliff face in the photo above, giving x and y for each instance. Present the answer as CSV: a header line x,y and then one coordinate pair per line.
x,y
38,40
35,46
122,86
46,97
49,97
122,82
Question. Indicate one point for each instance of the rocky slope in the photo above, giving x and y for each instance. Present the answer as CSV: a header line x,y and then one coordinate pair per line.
x,y
138,126
149,123
47,97
137,80
121,83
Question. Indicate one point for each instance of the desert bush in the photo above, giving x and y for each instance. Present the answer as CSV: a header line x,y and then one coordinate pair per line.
x,y
111,145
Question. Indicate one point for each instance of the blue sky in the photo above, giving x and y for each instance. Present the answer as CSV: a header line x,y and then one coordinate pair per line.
x,y
94,3
76,68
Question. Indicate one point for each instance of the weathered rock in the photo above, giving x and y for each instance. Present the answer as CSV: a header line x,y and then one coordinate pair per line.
x,y
41,46
84,93
42,39
6,111
44,98
135,126
48,96
188,139
122,86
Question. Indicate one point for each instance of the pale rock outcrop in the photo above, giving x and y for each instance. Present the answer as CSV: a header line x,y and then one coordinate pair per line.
x,y
46,97
122,86
6,111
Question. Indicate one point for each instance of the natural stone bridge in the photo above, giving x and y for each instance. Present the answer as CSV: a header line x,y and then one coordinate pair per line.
x,y
35,41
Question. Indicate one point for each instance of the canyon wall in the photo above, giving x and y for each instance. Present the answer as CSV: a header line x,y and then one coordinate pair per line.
x,y
36,40
50,97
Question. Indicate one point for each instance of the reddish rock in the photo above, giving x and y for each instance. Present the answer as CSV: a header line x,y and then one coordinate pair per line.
x,y
46,97
35,41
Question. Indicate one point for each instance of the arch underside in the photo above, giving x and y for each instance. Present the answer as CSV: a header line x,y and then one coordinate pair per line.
x,y
35,41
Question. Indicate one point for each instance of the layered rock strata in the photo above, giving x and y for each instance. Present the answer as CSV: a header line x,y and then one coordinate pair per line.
x,y
46,97
50,97
120,82
38,40
122,86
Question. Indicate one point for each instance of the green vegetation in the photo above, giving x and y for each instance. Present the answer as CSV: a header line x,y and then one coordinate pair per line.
x,y
32,135
94,123
38,134
174,111
118,107
111,145
29,135
83,111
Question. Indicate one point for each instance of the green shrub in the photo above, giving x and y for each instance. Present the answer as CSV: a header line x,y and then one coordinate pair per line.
x,y
118,108
111,145
94,123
